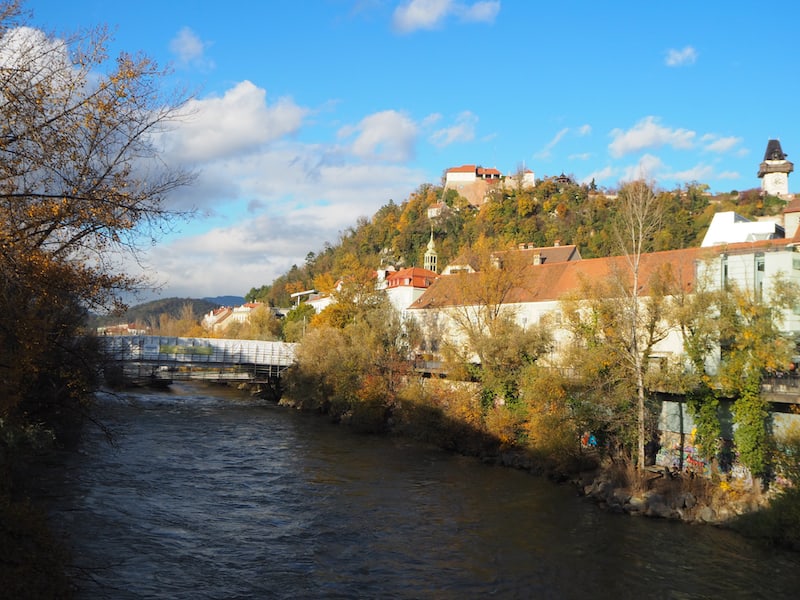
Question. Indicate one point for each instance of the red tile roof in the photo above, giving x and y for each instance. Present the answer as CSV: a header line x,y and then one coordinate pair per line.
x,y
793,206
550,254
463,169
553,281
480,171
413,276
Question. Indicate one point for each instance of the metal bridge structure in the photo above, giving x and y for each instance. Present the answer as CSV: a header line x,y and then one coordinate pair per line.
x,y
161,360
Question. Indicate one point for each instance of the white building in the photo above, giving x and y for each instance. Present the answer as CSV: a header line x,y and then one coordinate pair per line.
x,y
731,228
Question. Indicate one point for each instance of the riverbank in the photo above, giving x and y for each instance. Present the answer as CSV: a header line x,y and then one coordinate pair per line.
x,y
773,516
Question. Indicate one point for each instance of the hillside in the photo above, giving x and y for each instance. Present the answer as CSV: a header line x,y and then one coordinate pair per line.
x,y
552,212
149,313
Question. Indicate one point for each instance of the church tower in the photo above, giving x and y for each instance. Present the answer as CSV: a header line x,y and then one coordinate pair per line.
x,y
430,255
774,171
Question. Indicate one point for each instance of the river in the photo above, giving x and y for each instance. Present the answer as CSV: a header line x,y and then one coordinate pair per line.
x,y
210,494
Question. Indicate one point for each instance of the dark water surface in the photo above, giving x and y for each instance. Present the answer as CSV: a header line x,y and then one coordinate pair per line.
x,y
211,495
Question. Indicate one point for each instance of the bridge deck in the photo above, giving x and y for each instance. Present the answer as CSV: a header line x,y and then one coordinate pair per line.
x,y
167,358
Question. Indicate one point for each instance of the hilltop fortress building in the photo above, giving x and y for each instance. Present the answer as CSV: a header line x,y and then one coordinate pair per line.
x,y
475,183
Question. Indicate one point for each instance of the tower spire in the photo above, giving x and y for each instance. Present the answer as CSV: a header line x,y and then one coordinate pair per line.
x,y
431,257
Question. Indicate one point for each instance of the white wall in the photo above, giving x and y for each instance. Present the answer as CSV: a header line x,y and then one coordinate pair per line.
x,y
730,228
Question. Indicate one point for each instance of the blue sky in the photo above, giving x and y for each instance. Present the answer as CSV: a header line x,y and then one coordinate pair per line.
x,y
309,114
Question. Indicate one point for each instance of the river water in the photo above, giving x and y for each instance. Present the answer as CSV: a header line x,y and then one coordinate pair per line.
x,y
210,494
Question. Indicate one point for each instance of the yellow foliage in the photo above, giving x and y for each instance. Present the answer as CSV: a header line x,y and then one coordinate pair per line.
x,y
504,424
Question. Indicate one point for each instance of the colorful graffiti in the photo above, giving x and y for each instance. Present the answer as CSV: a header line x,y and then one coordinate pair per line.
x,y
681,457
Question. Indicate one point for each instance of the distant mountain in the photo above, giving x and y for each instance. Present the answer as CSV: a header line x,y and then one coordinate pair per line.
x,y
149,312
226,300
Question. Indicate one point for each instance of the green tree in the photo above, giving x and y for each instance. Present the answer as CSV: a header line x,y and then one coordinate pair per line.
x,y
751,345
297,321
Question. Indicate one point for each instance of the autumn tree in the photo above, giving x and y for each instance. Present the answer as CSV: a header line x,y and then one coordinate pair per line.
x,y
607,351
353,369
81,187
482,299
616,321
186,323
639,218
696,315
481,309
354,297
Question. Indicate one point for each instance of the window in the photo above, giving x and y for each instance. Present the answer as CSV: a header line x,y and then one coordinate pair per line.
x,y
759,275
724,271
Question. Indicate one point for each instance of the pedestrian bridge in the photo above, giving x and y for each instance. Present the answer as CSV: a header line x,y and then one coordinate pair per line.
x,y
158,359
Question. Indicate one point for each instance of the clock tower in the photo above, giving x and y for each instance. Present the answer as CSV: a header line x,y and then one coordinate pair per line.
x,y
774,171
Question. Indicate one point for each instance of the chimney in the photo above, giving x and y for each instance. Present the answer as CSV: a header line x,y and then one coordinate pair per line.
x,y
557,243
537,259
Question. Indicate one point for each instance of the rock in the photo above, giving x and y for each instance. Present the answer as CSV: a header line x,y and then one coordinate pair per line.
x,y
637,504
658,507
621,496
725,513
706,515
686,500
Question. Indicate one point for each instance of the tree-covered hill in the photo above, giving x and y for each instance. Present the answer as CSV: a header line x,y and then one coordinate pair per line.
x,y
149,314
552,212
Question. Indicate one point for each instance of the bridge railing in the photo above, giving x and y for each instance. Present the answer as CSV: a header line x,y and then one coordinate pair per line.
x,y
181,355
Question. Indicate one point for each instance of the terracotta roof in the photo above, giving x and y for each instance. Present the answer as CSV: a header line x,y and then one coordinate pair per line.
x,y
465,259
463,169
474,169
744,247
552,282
793,206
412,276
550,254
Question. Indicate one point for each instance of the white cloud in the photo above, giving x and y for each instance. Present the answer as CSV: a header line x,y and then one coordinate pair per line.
x,y
581,131
648,133
580,156
462,131
270,209
240,120
188,48
431,14
420,14
431,120
679,58
697,173
603,174
387,136
724,144
480,12
31,51
546,151
648,168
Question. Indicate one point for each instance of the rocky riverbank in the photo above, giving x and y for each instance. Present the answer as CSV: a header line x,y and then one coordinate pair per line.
x,y
659,494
